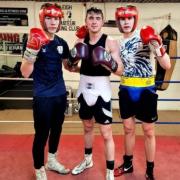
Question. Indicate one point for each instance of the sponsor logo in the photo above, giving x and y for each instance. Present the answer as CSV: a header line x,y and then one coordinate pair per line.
x,y
153,118
43,50
60,49
106,122
126,169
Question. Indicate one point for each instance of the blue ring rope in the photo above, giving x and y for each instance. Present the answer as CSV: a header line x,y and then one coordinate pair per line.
x,y
174,57
116,99
169,99
157,122
173,81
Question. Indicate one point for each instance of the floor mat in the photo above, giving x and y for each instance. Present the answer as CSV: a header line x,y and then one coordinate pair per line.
x,y
16,158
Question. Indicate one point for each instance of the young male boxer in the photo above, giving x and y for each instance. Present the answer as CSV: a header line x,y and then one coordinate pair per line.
x,y
100,57
44,55
137,95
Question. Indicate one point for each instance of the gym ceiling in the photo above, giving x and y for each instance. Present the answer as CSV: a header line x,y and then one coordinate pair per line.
x,y
103,1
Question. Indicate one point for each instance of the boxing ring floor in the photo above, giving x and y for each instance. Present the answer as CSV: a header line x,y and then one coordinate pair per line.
x,y
16,136
16,158
16,143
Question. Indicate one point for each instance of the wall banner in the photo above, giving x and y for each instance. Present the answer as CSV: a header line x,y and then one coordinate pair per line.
x,y
11,43
13,16
69,22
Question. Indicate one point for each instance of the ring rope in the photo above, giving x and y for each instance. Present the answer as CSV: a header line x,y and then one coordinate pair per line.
x,y
116,99
15,79
20,55
77,122
73,99
31,79
26,98
175,57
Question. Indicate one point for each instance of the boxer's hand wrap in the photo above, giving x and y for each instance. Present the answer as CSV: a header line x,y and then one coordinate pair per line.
x,y
37,38
102,57
79,52
154,41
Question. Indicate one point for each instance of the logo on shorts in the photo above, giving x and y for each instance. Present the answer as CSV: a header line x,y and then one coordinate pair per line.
x,y
154,118
89,86
106,122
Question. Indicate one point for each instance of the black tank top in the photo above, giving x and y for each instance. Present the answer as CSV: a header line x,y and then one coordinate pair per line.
x,y
87,68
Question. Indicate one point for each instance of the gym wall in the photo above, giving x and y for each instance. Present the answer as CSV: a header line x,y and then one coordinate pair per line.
x,y
155,14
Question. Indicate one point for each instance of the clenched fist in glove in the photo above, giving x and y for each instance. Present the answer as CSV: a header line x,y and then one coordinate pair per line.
x,y
82,32
102,57
79,51
149,36
37,38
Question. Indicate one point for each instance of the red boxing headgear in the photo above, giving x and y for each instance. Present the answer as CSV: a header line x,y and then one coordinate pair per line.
x,y
51,10
125,12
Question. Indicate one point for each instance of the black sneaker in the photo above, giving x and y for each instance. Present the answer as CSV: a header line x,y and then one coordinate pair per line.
x,y
123,170
149,177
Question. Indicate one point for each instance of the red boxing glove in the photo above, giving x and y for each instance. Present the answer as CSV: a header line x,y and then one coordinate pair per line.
x,y
149,36
79,51
82,32
37,38
102,57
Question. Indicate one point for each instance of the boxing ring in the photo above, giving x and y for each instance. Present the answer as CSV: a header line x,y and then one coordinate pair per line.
x,y
22,92
16,146
15,149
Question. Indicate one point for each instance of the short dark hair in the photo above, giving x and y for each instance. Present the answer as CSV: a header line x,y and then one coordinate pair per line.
x,y
94,10
46,5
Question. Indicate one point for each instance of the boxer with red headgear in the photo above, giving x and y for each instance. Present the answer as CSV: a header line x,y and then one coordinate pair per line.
x,y
50,19
44,55
137,95
51,11
126,12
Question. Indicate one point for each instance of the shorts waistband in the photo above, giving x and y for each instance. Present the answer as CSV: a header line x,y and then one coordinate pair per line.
x,y
137,81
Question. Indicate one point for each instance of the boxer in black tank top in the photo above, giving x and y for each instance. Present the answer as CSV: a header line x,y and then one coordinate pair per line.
x,y
87,68
94,92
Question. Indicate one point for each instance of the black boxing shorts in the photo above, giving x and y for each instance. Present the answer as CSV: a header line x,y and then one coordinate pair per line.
x,y
101,110
142,103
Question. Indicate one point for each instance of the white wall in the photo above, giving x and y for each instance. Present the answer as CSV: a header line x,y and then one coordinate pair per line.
x,y
154,14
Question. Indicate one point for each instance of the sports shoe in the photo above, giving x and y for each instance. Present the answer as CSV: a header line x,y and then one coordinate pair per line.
x,y
40,174
109,174
54,165
85,164
123,170
149,177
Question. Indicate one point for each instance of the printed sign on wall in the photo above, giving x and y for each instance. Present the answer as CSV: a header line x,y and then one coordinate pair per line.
x,y
69,22
13,16
12,42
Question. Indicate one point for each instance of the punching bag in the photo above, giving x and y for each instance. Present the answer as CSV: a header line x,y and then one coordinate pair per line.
x,y
169,37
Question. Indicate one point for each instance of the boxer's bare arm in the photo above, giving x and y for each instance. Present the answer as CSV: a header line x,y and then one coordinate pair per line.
x,y
164,61
113,47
